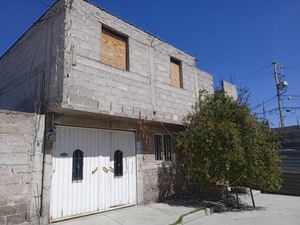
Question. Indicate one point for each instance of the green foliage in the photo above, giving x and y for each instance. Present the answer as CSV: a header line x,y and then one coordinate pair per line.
x,y
223,142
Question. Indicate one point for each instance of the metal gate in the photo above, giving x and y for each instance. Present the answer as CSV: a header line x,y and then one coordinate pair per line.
x,y
93,170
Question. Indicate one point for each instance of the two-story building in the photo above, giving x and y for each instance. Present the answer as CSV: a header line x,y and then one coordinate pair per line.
x,y
113,95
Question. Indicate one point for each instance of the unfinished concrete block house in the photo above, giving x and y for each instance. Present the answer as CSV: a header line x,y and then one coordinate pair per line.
x,y
111,93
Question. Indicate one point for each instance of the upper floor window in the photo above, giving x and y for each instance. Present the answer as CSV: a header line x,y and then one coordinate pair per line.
x,y
164,147
114,49
176,72
118,163
77,172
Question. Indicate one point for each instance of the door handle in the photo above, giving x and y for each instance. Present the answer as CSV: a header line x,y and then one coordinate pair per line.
x,y
94,171
105,169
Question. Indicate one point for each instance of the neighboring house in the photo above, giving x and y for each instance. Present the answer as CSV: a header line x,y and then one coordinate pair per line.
x,y
290,152
112,96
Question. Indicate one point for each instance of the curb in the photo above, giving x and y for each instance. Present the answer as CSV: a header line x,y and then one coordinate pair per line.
x,y
197,215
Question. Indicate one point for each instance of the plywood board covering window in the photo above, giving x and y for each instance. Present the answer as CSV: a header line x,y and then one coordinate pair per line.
x,y
176,73
114,49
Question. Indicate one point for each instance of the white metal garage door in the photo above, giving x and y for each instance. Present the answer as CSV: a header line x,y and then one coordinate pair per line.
x,y
93,170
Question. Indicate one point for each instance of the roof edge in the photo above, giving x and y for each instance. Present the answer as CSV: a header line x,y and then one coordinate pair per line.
x,y
145,31
103,9
29,29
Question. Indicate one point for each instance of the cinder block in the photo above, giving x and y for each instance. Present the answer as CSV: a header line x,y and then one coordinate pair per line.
x,y
18,193
16,219
3,220
8,159
8,210
22,208
3,195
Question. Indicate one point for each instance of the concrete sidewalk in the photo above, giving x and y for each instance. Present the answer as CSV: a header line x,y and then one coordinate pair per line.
x,y
152,214
271,209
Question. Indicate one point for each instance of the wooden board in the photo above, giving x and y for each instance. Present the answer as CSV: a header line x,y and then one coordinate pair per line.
x,y
114,50
176,73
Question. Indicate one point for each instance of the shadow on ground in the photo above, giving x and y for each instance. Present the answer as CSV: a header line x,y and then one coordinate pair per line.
x,y
175,190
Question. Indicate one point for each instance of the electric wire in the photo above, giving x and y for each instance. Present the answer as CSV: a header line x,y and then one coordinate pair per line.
x,y
43,3
254,72
7,87
264,102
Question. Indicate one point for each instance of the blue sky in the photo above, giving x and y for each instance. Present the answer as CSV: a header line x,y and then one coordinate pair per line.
x,y
233,40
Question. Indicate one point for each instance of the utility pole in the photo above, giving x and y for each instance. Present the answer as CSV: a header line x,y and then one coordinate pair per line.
x,y
281,86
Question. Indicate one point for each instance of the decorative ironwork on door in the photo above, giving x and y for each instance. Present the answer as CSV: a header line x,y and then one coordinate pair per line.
x,y
118,163
77,172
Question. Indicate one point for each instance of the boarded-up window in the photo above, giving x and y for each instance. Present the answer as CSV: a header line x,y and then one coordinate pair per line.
x,y
176,73
114,50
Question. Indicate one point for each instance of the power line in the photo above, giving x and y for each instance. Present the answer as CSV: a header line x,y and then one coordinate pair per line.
x,y
249,78
287,109
292,97
292,67
254,77
264,102
43,3
12,84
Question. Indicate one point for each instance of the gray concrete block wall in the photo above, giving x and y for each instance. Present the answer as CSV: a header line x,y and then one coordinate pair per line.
x,y
58,59
21,141
230,89
94,87
34,59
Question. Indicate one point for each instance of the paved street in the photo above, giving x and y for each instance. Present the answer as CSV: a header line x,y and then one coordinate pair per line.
x,y
271,209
